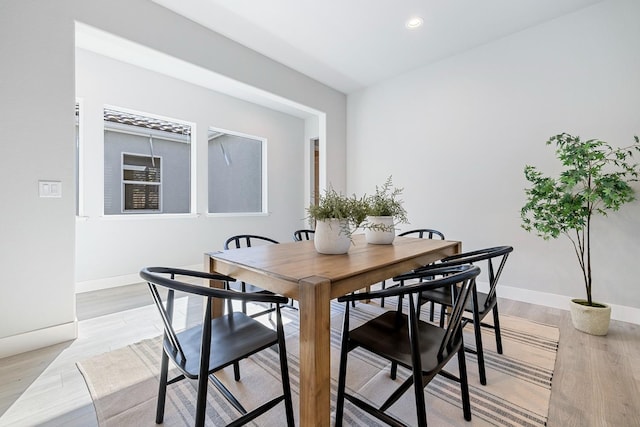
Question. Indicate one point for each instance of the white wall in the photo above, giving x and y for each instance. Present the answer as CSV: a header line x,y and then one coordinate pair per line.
x,y
37,133
110,246
456,135
37,130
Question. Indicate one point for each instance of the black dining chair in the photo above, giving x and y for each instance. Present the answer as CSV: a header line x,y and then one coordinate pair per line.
x,y
304,234
422,233
247,241
405,340
202,350
481,304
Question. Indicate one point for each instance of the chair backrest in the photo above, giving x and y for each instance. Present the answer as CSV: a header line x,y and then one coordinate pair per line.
x,y
424,233
496,258
460,279
246,241
460,292
165,277
300,235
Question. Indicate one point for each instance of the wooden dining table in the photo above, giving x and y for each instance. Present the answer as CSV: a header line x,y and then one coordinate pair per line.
x,y
298,271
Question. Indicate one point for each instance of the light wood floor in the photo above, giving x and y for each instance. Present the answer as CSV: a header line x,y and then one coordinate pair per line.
x,y
596,381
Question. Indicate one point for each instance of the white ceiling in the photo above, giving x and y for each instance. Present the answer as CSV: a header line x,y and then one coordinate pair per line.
x,y
351,44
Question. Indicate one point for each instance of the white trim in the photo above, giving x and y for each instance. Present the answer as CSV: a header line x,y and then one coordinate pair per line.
x,y
236,214
114,282
145,216
80,160
121,49
618,312
40,338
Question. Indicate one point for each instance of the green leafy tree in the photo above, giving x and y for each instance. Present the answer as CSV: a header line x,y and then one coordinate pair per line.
x,y
595,180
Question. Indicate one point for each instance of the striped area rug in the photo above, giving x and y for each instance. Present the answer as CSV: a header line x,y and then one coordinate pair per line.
x,y
123,383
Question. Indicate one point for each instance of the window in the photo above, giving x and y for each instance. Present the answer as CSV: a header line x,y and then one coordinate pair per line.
x,y
147,164
141,183
236,173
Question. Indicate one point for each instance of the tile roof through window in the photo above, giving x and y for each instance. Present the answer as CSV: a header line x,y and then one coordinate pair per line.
x,y
130,119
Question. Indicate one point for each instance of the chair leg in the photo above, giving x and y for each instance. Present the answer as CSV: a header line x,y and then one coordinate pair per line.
x,y
236,371
203,377
243,288
162,388
418,387
341,391
384,285
432,307
464,385
342,372
496,328
284,370
477,329
393,374
229,300
229,306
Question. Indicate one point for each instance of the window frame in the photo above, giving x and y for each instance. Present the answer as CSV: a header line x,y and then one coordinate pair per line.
x,y
192,142
79,153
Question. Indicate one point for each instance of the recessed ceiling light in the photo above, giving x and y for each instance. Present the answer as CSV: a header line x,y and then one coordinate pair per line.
x,y
414,22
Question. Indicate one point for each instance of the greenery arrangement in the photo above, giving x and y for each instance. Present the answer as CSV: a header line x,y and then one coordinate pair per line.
x,y
595,180
334,205
386,202
354,209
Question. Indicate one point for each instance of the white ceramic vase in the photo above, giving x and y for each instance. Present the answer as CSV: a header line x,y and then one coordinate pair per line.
x,y
382,236
331,236
592,320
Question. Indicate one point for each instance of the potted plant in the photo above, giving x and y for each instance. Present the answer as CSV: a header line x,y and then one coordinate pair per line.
x,y
595,180
335,216
384,212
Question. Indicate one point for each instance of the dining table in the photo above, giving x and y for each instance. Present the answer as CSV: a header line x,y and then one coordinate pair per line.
x,y
296,270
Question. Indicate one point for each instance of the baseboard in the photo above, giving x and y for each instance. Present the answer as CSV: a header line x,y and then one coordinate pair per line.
x,y
40,338
116,281
618,312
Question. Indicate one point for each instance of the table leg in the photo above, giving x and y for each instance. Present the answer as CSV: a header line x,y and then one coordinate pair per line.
x,y
217,308
315,352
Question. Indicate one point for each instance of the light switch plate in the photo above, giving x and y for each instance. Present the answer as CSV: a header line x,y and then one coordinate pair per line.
x,y
50,188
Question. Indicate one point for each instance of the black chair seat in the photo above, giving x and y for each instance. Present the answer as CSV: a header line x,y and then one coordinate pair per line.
x,y
443,297
234,336
388,340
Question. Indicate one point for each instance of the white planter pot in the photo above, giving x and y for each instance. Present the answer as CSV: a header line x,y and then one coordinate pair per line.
x,y
383,236
330,237
592,320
